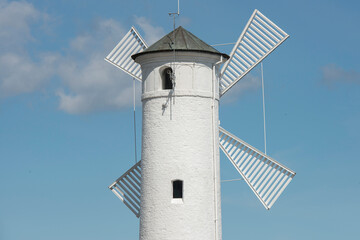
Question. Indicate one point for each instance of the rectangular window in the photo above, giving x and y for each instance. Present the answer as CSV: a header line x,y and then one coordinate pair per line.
x,y
177,189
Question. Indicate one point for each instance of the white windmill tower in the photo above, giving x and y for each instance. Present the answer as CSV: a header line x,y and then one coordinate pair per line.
x,y
175,188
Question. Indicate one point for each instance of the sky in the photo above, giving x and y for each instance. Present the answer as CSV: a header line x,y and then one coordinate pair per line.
x,y
66,117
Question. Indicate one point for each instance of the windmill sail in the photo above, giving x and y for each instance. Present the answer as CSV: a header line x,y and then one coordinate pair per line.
x,y
259,38
266,177
127,188
120,56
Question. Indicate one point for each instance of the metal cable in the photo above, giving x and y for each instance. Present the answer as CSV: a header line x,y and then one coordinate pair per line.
x,y
263,100
134,121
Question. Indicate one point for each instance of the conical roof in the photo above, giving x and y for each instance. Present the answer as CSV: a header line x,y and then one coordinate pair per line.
x,y
184,41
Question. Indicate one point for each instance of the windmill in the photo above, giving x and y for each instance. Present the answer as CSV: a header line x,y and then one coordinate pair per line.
x,y
175,188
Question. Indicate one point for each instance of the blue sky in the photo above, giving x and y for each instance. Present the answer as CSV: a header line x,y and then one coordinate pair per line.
x,y
66,128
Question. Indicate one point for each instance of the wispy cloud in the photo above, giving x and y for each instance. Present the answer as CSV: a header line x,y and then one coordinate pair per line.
x,y
87,82
152,33
333,74
250,82
90,83
93,86
21,73
16,19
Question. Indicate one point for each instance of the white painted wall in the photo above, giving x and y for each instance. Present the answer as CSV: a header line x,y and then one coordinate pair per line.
x,y
178,143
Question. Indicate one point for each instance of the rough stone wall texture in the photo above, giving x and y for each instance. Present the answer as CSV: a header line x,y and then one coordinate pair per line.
x,y
178,144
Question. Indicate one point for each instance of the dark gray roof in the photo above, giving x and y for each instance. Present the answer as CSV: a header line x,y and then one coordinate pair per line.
x,y
184,41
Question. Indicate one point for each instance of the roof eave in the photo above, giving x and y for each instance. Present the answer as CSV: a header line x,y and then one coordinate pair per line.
x,y
180,50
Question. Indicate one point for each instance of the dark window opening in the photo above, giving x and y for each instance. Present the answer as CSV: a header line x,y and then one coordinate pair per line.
x,y
177,189
166,78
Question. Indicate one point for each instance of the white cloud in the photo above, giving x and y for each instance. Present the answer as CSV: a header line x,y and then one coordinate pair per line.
x,y
332,74
15,21
102,34
19,72
250,82
93,86
152,34
89,83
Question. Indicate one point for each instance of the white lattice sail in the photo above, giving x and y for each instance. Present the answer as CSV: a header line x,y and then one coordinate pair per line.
x,y
259,38
120,56
265,176
127,188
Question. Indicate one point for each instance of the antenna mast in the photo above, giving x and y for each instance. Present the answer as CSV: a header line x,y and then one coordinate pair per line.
x,y
174,14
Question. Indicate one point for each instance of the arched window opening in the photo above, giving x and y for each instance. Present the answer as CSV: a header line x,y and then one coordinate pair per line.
x,y
177,189
166,78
